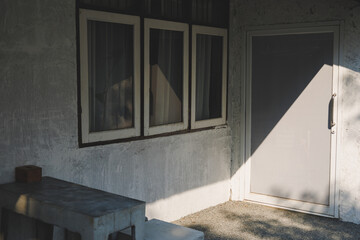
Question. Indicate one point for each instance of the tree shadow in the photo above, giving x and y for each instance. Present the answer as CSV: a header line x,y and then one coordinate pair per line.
x,y
260,222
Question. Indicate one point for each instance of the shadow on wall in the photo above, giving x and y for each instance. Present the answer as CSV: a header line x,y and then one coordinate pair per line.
x,y
290,85
283,67
274,96
274,100
289,135
105,173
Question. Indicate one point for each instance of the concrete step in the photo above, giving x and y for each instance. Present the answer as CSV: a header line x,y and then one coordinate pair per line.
x,y
159,230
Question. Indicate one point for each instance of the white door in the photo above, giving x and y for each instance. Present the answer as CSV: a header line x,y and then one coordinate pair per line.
x,y
291,112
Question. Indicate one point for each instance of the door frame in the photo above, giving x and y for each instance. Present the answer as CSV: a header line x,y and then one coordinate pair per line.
x,y
319,27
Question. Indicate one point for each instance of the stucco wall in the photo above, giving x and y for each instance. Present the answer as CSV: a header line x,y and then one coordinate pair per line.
x,y
38,112
175,175
244,13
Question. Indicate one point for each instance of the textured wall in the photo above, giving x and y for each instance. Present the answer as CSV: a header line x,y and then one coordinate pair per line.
x,y
38,123
38,112
245,13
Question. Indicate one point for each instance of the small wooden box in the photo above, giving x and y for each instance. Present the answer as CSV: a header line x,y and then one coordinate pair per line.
x,y
28,174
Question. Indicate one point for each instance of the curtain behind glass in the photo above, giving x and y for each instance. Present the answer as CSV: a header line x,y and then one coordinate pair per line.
x,y
166,76
110,56
173,9
208,76
202,10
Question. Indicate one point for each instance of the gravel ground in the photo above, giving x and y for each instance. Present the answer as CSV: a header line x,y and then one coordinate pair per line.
x,y
239,220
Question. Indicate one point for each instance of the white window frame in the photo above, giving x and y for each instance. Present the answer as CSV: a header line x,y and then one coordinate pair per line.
x,y
212,31
87,136
173,26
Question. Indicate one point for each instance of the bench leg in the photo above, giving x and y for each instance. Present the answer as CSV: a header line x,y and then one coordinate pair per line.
x,y
138,224
137,232
2,224
133,233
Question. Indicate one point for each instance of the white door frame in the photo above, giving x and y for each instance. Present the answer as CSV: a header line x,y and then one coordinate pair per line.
x,y
335,27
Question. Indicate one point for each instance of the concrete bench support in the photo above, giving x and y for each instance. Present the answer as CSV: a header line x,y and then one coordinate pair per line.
x,y
1,224
92,213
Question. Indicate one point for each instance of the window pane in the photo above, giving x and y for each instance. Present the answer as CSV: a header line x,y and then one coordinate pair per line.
x,y
208,76
166,76
111,73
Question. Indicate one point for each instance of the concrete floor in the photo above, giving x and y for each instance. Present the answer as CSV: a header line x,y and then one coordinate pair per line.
x,y
239,220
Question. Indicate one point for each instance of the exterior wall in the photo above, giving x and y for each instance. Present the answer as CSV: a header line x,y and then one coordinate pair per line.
x,y
175,175
244,13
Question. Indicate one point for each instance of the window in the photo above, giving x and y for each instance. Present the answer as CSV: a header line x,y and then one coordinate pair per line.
x,y
209,61
110,75
134,67
165,76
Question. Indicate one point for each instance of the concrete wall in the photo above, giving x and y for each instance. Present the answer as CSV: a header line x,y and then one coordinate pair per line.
x,y
39,123
38,112
244,13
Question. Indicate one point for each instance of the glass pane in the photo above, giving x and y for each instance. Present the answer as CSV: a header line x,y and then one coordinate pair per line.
x,y
111,73
166,76
209,60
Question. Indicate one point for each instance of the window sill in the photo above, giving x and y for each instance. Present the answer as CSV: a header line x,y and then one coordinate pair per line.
x,y
132,139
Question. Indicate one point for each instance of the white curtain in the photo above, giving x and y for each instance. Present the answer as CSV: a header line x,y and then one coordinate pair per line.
x,y
202,10
203,75
166,78
110,48
208,77
170,8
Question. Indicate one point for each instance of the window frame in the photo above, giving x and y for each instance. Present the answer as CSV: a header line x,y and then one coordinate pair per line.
x,y
87,136
172,26
212,31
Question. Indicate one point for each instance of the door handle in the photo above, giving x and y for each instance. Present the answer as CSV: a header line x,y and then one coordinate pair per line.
x,y
332,109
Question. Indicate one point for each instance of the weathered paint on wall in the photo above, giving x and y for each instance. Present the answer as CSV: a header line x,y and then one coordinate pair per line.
x,y
38,112
39,123
245,13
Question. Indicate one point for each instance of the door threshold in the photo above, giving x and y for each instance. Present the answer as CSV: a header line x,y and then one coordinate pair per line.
x,y
290,209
